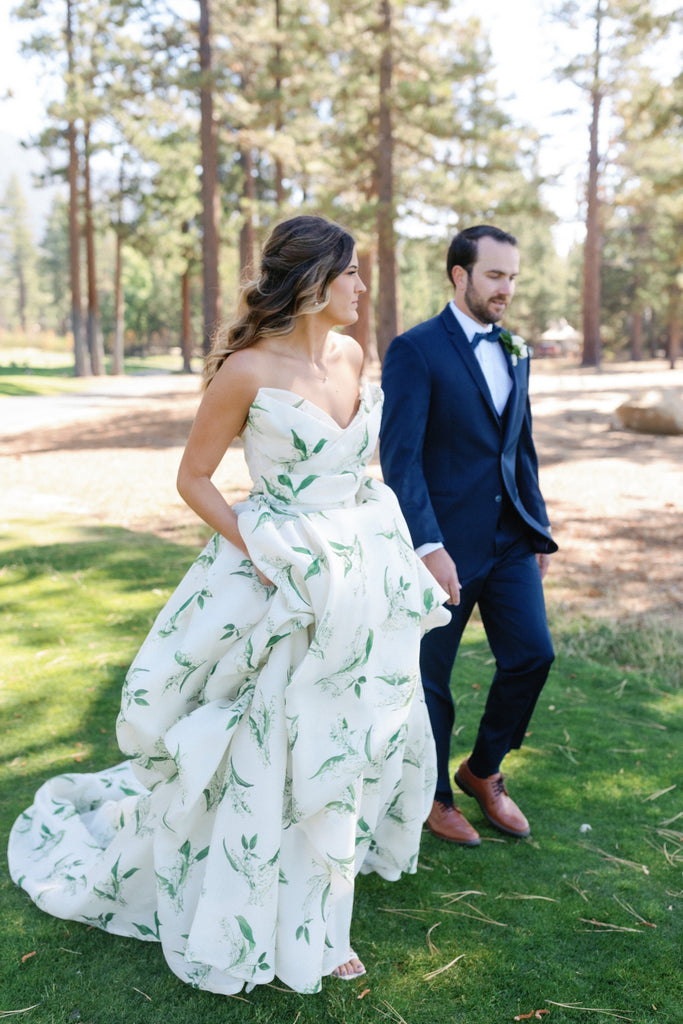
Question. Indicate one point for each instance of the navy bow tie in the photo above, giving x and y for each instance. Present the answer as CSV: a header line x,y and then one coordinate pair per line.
x,y
491,335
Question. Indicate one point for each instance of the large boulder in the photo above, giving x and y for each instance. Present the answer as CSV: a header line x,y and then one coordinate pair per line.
x,y
654,412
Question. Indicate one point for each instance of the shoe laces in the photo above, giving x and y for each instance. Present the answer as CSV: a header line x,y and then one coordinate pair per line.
x,y
499,786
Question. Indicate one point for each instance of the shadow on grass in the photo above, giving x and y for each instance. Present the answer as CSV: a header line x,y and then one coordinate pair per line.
x,y
140,561
155,427
75,612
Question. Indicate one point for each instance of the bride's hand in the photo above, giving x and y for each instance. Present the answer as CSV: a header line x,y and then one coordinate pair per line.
x,y
264,579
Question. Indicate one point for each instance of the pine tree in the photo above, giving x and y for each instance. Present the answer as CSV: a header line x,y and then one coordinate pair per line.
x,y
622,30
53,267
20,256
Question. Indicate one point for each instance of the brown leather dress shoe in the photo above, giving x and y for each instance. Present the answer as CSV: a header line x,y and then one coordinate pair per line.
x,y
448,823
493,798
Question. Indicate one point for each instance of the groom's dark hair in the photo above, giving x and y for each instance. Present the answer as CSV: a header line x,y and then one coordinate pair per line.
x,y
462,251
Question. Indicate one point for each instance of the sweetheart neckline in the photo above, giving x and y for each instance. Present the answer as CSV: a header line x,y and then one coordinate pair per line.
x,y
323,412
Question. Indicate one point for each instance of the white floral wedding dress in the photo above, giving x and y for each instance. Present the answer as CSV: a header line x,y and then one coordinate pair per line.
x,y
278,736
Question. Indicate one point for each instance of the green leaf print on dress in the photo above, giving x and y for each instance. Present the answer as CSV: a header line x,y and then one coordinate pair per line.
x,y
48,840
285,480
188,667
234,789
261,719
248,862
244,953
210,552
316,562
347,674
198,598
113,888
302,448
173,878
152,933
278,736
351,556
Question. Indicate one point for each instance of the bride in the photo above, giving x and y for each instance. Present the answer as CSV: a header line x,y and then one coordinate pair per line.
x,y
273,721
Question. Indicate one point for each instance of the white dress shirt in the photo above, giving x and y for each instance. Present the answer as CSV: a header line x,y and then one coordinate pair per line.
x,y
490,357
494,366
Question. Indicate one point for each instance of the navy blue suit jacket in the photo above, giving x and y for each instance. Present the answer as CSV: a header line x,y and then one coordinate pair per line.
x,y
446,452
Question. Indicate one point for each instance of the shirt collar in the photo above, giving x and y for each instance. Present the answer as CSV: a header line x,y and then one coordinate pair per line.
x,y
469,326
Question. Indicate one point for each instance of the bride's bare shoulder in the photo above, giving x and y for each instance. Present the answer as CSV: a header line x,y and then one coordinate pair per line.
x,y
243,368
350,350
237,381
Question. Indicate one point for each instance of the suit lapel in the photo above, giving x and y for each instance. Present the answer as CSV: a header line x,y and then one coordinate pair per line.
x,y
515,394
456,336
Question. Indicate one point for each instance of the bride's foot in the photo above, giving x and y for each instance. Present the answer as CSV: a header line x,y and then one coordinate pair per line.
x,y
353,968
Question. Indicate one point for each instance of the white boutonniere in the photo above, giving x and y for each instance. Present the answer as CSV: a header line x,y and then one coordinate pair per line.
x,y
515,345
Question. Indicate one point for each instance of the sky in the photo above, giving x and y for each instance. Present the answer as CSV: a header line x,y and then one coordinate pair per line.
x,y
527,45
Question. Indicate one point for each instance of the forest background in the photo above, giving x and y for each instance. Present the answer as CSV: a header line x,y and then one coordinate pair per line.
x,y
177,133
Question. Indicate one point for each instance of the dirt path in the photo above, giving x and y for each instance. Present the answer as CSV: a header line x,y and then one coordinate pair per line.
x,y
109,454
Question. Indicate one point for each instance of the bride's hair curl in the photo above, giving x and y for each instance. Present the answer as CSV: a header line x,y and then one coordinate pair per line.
x,y
299,261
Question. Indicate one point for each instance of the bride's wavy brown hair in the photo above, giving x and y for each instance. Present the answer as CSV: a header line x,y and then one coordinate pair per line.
x,y
300,260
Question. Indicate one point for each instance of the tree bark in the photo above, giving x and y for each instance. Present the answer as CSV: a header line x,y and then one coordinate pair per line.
x,y
210,197
81,357
362,330
637,336
22,292
592,253
118,346
186,322
279,170
674,325
247,239
94,327
387,298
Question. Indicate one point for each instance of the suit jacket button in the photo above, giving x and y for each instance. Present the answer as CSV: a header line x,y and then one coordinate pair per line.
x,y
499,498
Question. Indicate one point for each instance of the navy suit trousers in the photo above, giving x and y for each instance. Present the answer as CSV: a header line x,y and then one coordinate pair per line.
x,y
509,593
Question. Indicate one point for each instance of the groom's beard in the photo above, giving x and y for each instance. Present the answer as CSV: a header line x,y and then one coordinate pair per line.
x,y
479,307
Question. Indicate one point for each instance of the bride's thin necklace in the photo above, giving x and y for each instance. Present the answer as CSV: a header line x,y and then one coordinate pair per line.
x,y
317,370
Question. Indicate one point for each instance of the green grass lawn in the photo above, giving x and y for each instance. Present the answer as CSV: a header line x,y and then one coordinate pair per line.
x,y
21,377
583,919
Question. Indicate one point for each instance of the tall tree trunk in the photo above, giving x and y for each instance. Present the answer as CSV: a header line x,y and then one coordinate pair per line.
x,y
674,324
638,314
387,299
117,354
210,197
362,330
23,292
637,336
94,330
247,239
186,321
279,170
81,356
592,253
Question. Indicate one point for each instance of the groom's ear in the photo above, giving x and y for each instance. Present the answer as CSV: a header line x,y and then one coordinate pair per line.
x,y
459,278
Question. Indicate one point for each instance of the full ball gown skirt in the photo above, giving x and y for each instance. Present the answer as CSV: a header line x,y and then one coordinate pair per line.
x,y
277,737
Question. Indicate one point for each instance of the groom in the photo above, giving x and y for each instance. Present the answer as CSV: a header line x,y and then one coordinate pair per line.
x,y
456,447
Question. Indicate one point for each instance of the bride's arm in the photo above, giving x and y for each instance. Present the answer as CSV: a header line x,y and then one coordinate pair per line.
x,y
220,418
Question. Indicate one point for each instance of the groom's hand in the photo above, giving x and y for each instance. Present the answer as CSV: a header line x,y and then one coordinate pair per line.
x,y
442,568
543,560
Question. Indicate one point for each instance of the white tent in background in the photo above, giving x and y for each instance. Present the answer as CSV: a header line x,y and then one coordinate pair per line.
x,y
560,339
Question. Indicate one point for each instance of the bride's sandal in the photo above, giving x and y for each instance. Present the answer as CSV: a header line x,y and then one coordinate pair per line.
x,y
353,968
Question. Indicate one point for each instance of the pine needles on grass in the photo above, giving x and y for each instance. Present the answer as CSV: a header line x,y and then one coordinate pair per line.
x,y
583,919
